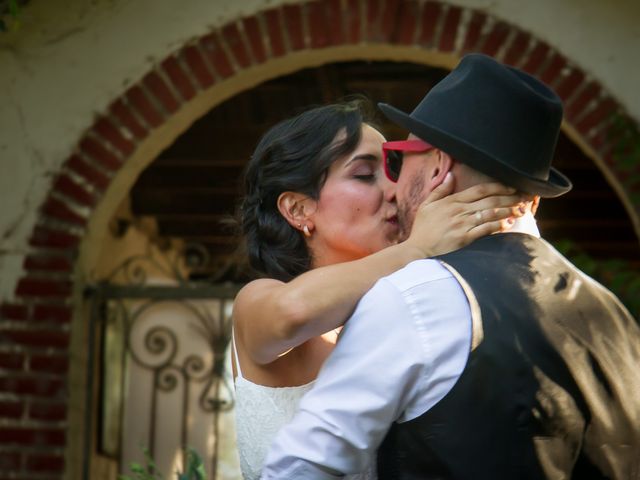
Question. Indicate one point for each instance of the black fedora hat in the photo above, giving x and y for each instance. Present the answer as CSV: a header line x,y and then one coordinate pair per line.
x,y
496,119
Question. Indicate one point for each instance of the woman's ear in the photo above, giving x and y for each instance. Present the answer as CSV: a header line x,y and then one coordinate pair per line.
x,y
442,163
296,208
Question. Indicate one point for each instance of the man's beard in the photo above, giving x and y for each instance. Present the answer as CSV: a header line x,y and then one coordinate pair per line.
x,y
407,210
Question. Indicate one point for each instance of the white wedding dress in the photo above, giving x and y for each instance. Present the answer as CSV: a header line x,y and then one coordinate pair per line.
x,y
260,412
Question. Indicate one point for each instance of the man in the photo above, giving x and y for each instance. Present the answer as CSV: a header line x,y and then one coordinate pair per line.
x,y
498,361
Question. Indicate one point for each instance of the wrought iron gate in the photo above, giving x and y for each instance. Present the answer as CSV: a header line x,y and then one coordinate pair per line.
x,y
159,342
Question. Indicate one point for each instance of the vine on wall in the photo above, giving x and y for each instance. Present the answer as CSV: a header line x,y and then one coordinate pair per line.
x,y
10,14
616,274
625,136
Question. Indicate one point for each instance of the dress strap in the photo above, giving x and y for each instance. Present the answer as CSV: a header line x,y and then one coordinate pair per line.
x,y
235,354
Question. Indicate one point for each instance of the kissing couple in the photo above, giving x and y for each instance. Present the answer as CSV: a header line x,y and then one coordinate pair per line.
x,y
409,321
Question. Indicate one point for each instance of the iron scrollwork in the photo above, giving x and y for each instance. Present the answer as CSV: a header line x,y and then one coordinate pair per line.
x,y
131,293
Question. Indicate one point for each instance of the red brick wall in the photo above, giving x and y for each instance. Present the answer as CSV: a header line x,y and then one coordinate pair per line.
x,y
34,326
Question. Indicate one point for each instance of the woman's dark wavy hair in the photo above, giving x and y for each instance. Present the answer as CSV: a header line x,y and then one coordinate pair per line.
x,y
294,155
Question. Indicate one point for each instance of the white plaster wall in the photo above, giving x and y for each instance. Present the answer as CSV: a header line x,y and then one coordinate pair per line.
x,y
71,58
601,36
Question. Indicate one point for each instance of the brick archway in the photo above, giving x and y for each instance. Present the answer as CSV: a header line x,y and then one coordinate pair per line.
x,y
36,325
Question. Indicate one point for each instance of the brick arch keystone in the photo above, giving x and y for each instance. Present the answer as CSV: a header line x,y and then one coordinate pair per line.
x,y
35,328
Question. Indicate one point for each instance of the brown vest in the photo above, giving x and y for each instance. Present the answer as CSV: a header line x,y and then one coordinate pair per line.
x,y
552,389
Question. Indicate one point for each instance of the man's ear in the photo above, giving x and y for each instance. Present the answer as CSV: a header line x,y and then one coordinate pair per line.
x,y
442,164
297,208
535,204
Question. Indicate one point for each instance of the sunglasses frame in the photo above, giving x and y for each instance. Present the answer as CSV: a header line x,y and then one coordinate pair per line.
x,y
413,146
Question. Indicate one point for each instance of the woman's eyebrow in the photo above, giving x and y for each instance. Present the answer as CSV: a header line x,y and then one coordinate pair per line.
x,y
369,157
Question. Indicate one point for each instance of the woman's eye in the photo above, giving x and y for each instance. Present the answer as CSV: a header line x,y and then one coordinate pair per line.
x,y
365,177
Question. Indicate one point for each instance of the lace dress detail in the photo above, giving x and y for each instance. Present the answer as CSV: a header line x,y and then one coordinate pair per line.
x,y
260,412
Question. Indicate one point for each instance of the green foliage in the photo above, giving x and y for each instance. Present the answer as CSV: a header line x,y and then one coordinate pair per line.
x,y
10,14
614,274
624,135
194,468
143,472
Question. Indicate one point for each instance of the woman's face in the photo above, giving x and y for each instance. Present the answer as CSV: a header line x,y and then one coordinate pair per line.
x,y
356,213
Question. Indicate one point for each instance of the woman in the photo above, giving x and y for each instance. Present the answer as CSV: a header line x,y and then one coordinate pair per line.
x,y
320,223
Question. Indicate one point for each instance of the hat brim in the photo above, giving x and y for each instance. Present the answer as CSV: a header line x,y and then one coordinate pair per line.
x,y
557,184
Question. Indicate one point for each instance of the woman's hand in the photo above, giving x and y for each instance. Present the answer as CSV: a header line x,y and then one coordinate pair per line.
x,y
446,222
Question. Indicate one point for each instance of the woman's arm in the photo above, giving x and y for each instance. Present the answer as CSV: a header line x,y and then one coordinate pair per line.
x,y
271,317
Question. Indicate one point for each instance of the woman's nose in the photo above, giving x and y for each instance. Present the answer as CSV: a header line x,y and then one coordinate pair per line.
x,y
389,190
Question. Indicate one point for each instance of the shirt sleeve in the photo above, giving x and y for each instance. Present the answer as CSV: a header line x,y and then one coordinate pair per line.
x,y
379,370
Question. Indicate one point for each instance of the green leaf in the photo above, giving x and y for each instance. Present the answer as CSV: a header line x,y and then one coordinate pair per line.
x,y
194,468
632,180
564,246
627,162
625,137
143,472
615,274
13,8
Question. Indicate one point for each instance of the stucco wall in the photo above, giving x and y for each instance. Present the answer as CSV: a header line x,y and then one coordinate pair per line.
x,y
70,59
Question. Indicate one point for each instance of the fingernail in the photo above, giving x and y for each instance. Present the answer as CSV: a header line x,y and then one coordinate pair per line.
x,y
522,209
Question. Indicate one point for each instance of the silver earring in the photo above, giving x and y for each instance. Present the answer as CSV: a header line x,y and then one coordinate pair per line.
x,y
306,231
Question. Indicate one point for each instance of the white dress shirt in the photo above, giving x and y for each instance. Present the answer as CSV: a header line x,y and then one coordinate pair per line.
x,y
399,354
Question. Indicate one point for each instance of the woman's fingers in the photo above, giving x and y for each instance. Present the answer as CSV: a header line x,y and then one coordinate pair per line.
x,y
479,197
482,190
446,221
485,222
442,190
483,230
489,215
514,202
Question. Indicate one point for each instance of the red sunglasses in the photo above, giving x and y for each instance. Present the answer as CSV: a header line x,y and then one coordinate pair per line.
x,y
393,152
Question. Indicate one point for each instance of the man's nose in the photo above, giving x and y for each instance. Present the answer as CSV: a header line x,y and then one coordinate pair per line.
x,y
389,190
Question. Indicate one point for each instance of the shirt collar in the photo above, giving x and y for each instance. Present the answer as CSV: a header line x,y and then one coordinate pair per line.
x,y
525,224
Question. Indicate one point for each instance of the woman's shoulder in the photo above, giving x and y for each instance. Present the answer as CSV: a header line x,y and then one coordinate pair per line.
x,y
255,289
250,296
259,284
